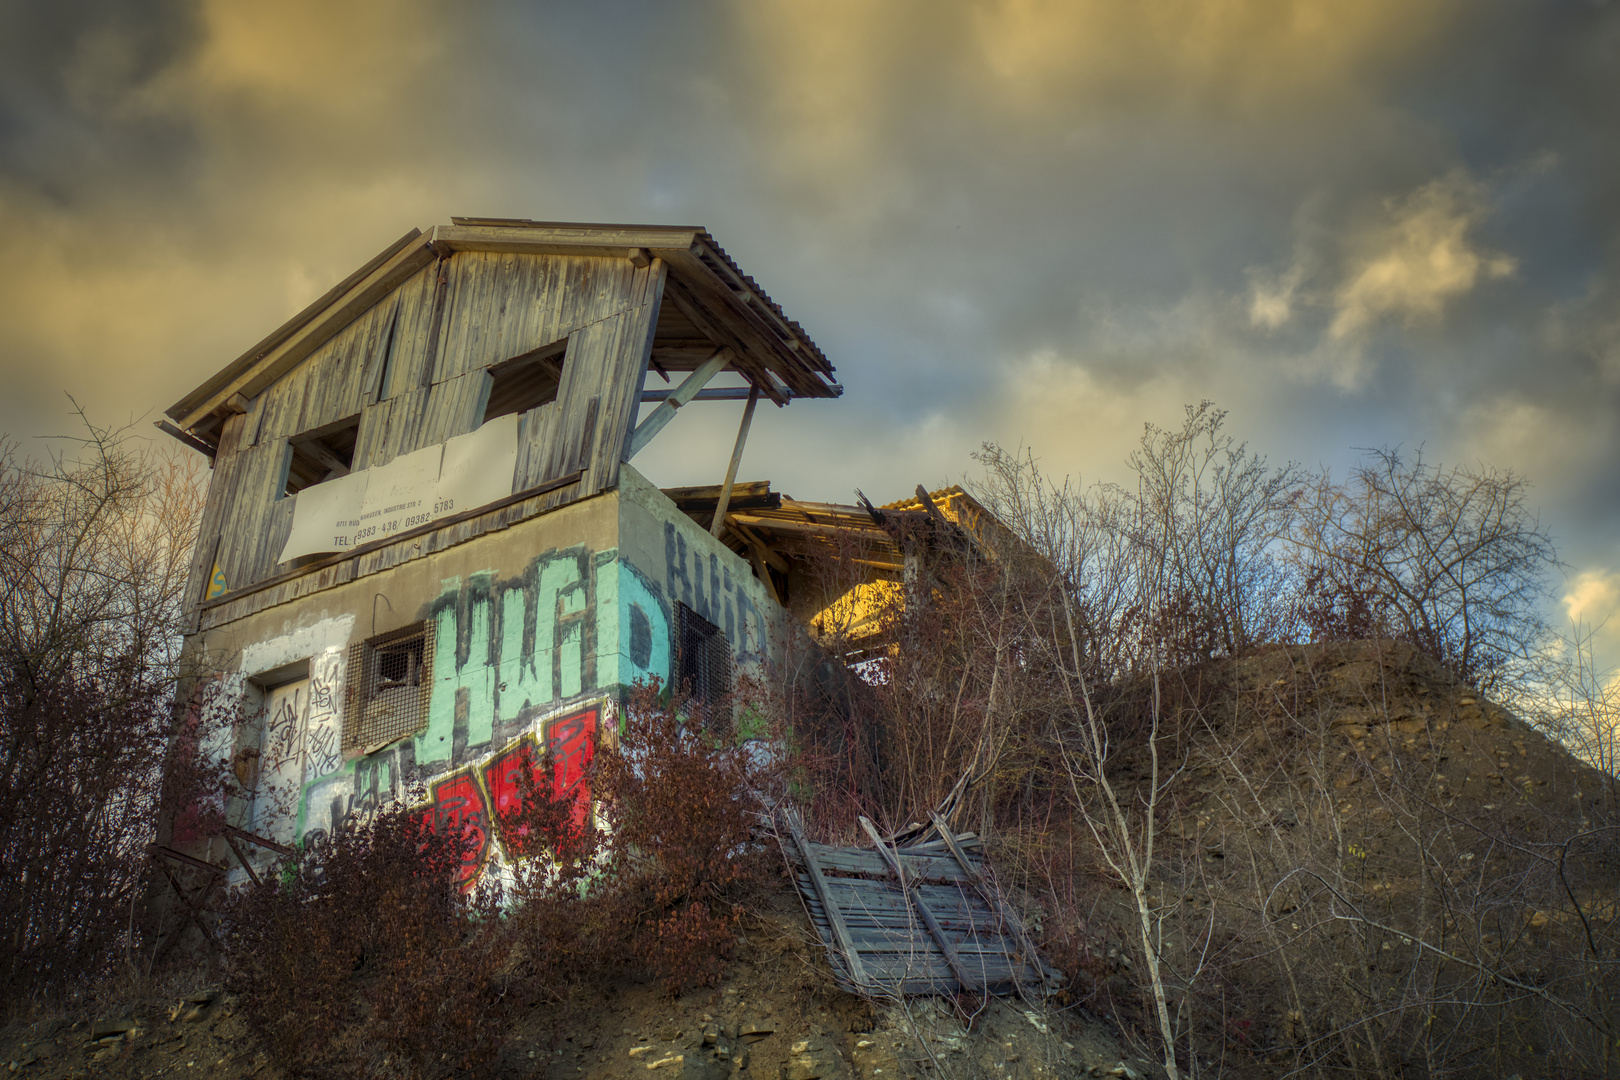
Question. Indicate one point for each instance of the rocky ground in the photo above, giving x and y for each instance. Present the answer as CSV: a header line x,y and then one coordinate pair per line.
x,y
193,1035
776,1016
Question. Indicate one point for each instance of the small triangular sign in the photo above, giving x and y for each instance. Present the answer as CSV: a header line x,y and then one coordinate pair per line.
x,y
216,584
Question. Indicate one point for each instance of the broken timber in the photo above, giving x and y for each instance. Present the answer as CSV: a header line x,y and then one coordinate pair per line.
x,y
912,920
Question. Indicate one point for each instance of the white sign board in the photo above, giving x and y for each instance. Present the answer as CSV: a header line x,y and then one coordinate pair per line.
x,y
435,482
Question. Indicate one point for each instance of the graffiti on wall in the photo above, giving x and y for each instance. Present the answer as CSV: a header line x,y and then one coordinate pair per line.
x,y
508,649
456,807
706,585
297,729
573,623
283,730
325,729
458,804
570,744
509,654
470,801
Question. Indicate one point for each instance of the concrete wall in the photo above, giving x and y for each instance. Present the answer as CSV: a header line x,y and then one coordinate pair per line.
x,y
539,630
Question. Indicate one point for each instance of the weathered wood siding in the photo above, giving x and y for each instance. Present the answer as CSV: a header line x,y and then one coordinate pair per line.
x,y
414,368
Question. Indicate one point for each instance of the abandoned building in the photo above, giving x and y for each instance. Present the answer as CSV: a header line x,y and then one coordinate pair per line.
x,y
426,546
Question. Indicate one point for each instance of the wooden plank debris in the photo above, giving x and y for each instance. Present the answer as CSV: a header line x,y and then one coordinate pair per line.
x,y
918,904
834,920
917,919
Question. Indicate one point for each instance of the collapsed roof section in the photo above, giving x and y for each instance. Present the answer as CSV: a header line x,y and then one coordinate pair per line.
x,y
711,310
836,565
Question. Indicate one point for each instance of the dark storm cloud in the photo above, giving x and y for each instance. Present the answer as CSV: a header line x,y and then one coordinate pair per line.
x,y
63,69
1037,220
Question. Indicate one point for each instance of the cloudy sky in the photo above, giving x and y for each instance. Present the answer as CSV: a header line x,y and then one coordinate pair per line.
x,y
1029,221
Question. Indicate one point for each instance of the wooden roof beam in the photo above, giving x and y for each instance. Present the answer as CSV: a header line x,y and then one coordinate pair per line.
x,y
744,289
748,347
807,528
708,393
756,543
659,417
199,445
562,238
716,310
693,497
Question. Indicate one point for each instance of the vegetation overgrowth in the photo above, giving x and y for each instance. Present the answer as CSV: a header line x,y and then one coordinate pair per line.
x,y
94,548
366,954
1235,736
1267,877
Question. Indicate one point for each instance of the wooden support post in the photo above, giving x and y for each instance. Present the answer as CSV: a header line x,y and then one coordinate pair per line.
x,y
763,572
243,834
233,834
835,918
666,409
952,957
719,523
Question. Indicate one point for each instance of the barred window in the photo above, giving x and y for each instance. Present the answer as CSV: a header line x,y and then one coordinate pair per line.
x,y
390,684
702,658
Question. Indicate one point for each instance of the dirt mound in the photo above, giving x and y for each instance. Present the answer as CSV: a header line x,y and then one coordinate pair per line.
x,y
1403,715
1366,865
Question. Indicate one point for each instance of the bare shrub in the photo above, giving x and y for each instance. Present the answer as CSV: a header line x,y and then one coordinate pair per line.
x,y
94,548
1578,703
365,952
76,800
1185,567
680,800
1085,536
1207,514
94,551
1451,560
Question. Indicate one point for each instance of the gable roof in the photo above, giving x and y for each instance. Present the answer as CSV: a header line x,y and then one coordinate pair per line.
x,y
703,282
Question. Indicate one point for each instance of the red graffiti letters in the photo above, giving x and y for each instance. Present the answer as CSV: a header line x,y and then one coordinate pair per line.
x,y
457,808
571,742
498,805
503,778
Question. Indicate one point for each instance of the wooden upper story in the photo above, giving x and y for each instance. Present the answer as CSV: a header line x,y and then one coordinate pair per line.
x,y
569,328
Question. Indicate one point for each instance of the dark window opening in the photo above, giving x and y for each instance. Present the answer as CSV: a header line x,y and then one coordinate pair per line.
x,y
325,453
525,382
400,664
702,661
390,685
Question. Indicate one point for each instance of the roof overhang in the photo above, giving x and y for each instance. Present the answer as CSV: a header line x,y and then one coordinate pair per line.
x,y
770,350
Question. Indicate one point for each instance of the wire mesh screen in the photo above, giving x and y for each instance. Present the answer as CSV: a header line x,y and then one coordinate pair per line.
x,y
703,657
390,683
